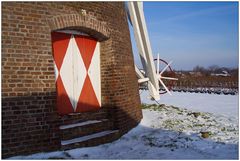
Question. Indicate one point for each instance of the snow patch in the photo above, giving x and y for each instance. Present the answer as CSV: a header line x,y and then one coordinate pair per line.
x,y
165,132
88,137
80,124
226,105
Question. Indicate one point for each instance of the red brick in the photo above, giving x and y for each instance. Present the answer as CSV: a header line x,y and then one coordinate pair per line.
x,y
29,94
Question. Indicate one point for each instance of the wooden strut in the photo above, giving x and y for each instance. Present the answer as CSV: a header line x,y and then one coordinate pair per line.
x,y
136,15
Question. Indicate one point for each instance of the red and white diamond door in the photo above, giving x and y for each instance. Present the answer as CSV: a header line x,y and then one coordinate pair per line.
x,y
77,70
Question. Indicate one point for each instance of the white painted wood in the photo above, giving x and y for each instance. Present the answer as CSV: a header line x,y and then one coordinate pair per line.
x,y
164,86
143,80
144,47
165,67
94,72
73,72
55,71
79,72
169,78
66,73
139,73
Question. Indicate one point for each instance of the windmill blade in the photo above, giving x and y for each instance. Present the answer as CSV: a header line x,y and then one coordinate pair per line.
x,y
169,78
166,67
164,86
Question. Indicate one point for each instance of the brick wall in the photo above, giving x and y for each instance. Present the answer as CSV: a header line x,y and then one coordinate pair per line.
x,y
30,122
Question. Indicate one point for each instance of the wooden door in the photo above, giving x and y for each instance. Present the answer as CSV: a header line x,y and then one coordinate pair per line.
x,y
77,70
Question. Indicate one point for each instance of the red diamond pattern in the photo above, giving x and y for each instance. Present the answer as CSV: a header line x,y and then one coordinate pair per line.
x,y
63,100
60,43
87,100
86,47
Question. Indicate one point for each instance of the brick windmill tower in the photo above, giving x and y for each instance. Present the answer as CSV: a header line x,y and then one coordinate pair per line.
x,y
68,75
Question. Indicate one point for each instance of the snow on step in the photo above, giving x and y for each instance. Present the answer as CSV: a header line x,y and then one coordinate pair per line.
x,y
81,124
88,137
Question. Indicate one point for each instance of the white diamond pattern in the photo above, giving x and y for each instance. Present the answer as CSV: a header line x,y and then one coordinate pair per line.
x,y
73,72
80,72
94,73
55,71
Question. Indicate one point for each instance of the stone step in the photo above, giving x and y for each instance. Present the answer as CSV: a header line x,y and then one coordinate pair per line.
x,y
89,122
80,129
90,140
78,117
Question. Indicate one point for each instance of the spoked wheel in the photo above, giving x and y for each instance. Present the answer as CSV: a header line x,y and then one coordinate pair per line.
x,y
166,75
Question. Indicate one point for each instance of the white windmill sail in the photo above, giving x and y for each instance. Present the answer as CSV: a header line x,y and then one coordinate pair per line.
x,y
136,15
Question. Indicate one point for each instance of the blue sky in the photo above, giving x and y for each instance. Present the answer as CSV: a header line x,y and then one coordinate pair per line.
x,y
192,33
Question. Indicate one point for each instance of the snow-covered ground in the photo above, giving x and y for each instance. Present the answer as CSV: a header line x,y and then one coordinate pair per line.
x,y
168,132
219,104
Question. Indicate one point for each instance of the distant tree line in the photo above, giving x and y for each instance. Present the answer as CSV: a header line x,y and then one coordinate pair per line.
x,y
214,69
206,77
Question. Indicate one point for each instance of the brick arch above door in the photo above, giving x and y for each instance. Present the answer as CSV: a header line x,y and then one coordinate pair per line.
x,y
85,23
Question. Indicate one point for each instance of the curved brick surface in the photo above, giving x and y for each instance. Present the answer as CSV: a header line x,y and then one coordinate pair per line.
x,y
29,119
